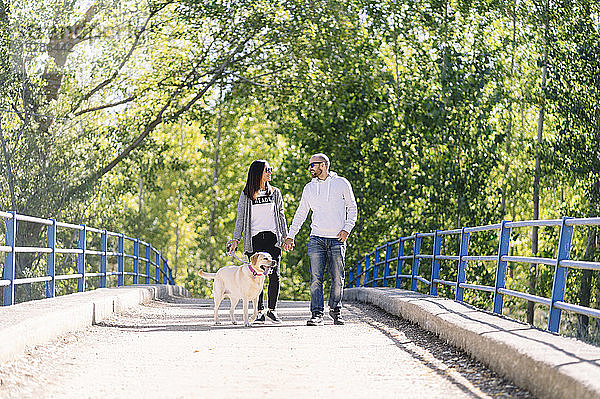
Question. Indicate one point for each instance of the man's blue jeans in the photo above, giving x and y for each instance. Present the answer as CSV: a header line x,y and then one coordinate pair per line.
x,y
321,252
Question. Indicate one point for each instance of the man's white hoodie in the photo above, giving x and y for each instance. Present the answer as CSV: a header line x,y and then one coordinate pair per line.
x,y
333,207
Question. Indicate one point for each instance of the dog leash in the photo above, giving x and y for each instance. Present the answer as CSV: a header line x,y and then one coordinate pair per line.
x,y
233,254
254,272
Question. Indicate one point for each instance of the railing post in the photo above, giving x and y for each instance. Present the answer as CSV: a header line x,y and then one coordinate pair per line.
x,y
503,248
121,261
103,246
136,261
375,268
462,265
357,284
367,264
51,260
386,267
148,254
435,263
10,238
165,271
81,259
560,275
157,271
399,264
415,264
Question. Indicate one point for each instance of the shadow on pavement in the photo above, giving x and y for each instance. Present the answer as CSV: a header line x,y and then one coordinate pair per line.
x,y
451,358
292,313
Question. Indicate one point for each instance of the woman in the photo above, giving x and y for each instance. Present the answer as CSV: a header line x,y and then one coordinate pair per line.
x,y
261,222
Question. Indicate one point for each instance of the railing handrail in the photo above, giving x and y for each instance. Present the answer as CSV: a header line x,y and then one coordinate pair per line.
x,y
368,274
163,273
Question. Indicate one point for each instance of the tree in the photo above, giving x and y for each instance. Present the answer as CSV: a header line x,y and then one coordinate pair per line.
x,y
574,93
74,119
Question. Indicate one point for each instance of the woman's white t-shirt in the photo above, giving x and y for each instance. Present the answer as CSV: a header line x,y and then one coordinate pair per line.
x,y
263,213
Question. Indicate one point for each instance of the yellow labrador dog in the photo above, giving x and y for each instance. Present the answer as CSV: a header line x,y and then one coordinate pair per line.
x,y
243,282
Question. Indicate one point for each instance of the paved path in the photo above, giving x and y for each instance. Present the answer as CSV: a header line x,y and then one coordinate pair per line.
x,y
172,350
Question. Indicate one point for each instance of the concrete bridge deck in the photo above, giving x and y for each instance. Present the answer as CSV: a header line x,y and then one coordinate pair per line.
x,y
168,347
547,364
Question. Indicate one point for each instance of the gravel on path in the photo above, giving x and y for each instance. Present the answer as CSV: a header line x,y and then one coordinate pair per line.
x,y
171,349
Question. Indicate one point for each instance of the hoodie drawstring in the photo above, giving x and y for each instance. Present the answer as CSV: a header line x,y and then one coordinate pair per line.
x,y
327,181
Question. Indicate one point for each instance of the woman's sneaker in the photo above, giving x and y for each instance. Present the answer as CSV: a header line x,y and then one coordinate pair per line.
x,y
273,316
260,318
337,317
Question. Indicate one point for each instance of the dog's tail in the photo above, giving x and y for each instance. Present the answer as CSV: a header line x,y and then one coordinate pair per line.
x,y
208,276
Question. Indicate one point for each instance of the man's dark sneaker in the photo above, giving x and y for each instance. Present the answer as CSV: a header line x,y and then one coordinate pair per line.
x,y
315,320
337,318
273,316
260,318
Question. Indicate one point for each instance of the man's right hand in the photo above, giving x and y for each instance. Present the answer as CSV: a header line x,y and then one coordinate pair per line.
x,y
288,244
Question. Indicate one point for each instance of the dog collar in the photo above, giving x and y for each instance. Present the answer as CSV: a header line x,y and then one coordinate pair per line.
x,y
254,272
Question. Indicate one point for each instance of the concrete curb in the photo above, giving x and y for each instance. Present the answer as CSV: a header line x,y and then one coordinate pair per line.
x,y
35,322
548,365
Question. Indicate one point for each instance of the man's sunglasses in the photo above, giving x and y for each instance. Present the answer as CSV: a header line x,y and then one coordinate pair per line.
x,y
310,165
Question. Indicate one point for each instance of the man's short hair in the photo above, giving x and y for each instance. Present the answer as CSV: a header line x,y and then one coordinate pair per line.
x,y
323,157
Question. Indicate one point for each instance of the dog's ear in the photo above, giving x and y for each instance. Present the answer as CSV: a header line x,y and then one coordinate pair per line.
x,y
254,258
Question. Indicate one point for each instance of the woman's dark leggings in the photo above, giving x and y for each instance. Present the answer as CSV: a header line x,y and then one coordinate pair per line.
x,y
265,242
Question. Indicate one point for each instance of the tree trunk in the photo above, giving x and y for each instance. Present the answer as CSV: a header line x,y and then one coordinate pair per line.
x,y
585,288
140,194
177,234
213,211
179,208
60,46
458,193
509,127
536,181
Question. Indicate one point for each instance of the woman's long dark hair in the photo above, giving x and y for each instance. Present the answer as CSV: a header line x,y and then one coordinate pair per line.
x,y
255,173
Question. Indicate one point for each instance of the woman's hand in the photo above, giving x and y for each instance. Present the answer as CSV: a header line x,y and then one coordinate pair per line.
x,y
288,244
231,247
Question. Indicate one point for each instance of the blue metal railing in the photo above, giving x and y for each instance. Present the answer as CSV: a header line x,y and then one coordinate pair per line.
x,y
366,271
162,272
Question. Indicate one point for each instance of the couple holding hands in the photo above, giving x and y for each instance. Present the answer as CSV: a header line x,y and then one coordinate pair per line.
x,y
262,224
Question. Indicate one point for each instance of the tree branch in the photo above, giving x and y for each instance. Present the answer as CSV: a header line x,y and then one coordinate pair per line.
x,y
160,117
149,128
254,82
251,81
101,107
114,75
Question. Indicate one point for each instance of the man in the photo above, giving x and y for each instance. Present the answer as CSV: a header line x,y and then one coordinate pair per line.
x,y
334,213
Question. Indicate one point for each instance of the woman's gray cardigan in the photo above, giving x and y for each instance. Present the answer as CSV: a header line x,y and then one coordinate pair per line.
x,y
243,221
